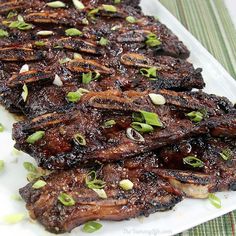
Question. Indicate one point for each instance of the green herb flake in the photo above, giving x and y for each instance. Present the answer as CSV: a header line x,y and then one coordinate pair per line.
x,y
3,33
214,200
149,73
131,19
85,21
79,139
151,118
93,12
64,60
35,137
193,161
103,41
73,32
117,1
39,43
29,167
25,92
73,96
109,123
20,25
101,193
78,4
226,154
66,199
1,127
195,116
39,184
126,184
11,14
92,182
141,127
91,226
2,165
109,8
14,218
56,4
152,40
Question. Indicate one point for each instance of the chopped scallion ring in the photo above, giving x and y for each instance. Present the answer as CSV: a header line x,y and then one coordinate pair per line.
x,y
126,184
56,4
100,192
150,72
25,93
35,137
92,182
141,127
215,201
79,139
193,161
134,135
131,19
152,40
39,184
91,226
226,154
151,118
78,4
195,116
66,199
157,99
109,8
103,41
3,33
73,32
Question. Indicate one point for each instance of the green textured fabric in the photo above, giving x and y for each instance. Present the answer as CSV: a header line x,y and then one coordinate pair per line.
x,y
210,23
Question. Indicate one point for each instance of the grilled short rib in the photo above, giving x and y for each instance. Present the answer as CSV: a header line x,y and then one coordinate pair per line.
x,y
156,187
149,194
59,150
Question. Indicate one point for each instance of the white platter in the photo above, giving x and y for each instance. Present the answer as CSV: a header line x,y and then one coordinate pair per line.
x,y
185,215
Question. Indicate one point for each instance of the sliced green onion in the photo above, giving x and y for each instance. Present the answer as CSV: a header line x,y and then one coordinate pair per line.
x,y
20,18
77,56
73,32
45,32
29,167
226,154
134,135
117,1
150,73
109,8
152,40
91,226
1,127
24,68
1,165
64,60
92,182
78,4
115,27
215,201
126,184
151,118
109,123
157,99
93,12
79,139
103,41
57,81
3,33
101,193
39,184
82,91
66,199
193,161
85,21
131,19
141,127
21,25
11,14
14,218
73,96
56,4
25,92
195,116
88,77
35,137
16,197
39,43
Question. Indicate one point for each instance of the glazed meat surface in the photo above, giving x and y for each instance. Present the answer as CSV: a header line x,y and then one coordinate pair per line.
x,y
59,150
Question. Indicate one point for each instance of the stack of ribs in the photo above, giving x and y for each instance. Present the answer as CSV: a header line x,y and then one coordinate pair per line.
x,y
123,70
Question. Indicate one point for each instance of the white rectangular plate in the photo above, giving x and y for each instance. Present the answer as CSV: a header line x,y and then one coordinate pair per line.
x,y
185,215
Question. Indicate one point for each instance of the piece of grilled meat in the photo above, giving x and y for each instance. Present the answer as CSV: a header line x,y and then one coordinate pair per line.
x,y
149,194
59,149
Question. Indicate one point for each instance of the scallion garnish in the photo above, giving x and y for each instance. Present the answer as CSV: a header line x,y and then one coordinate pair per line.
x,y
151,118
39,184
88,77
64,60
77,56
226,154
109,8
126,184
195,116
101,193
141,127
85,21
78,4
91,226
115,27
20,24
73,32
92,182
66,199
131,19
56,4
215,201
79,139
73,96
134,135
14,218
1,127
3,33
39,43
25,92
16,197
93,12
152,40
150,72
109,123
1,165
45,32
157,99
35,137
193,161
11,14
117,1
103,41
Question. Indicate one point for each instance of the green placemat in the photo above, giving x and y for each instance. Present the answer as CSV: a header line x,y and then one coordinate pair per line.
x,y
210,23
